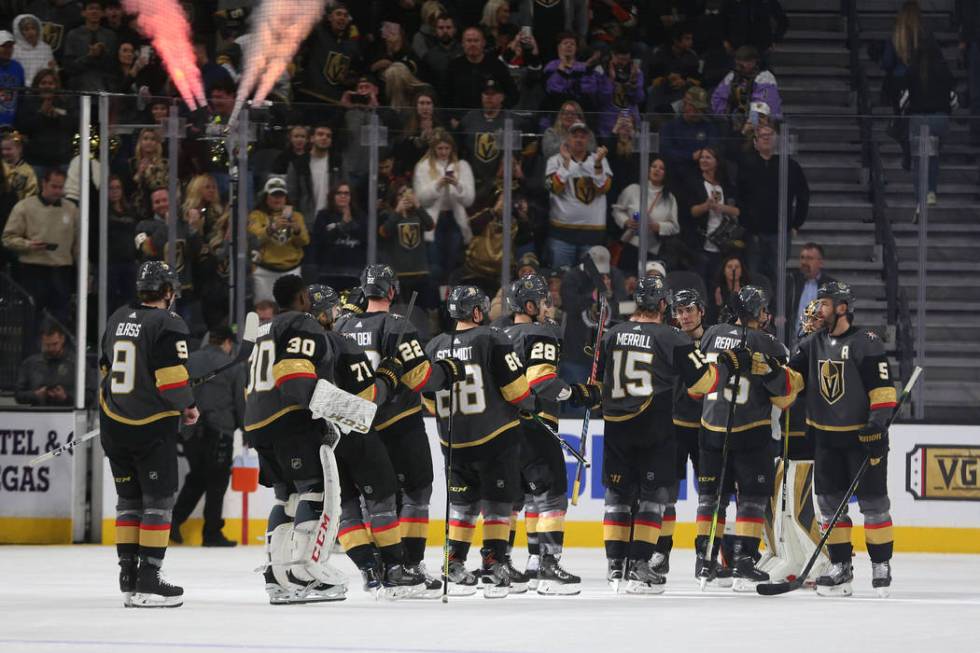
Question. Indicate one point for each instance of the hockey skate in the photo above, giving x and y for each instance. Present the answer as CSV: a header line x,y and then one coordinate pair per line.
x,y
519,581
152,591
554,580
372,580
660,563
401,582
300,591
837,580
531,571
460,581
746,575
494,576
881,578
128,569
641,579
614,573
433,586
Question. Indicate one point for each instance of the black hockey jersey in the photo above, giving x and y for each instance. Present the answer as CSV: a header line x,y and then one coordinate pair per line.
x,y
144,355
688,404
539,346
754,397
639,363
485,404
848,380
376,334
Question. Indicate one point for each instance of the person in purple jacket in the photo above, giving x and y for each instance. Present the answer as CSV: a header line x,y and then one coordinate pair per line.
x,y
568,79
743,86
620,89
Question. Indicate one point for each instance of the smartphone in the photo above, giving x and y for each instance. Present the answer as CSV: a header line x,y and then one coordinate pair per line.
x,y
146,52
716,196
50,246
525,34
450,173
357,98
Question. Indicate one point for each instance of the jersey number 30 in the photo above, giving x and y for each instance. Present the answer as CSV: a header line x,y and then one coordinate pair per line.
x,y
260,378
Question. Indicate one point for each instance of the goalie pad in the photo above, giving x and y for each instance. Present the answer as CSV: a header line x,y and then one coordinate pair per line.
x,y
313,540
794,530
280,554
342,409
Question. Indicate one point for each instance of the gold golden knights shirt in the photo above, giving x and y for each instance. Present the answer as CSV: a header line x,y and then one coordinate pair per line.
x,y
754,397
144,351
486,403
848,380
539,346
376,334
639,363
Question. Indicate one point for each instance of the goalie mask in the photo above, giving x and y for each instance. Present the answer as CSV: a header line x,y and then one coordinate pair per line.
x,y
811,321
464,300
530,288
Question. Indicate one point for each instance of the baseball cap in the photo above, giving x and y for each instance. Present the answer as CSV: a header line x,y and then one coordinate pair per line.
x,y
275,185
579,126
491,86
656,267
6,37
698,97
600,256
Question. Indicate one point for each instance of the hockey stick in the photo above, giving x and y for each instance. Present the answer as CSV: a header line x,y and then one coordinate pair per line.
x,y
449,468
408,318
582,460
584,438
773,589
709,558
244,351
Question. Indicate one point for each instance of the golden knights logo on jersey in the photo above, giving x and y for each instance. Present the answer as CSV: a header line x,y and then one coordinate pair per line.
x,y
585,190
485,147
336,67
831,380
409,235
52,33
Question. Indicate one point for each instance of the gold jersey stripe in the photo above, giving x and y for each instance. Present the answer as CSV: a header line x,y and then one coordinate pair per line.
x,y
738,429
430,405
536,372
690,425
368,393
628,416
578,227
706,383
484,439
883,396
271,418
292,366
171,376
399,416
838,429
516,390
416,376
134,422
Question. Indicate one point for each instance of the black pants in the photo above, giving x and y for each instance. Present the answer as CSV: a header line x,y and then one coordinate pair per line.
x,y
208,453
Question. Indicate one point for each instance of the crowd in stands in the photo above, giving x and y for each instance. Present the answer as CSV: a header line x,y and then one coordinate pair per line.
x,y
575,76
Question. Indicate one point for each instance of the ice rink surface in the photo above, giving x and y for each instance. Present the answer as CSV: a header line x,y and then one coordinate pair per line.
x,y
65,599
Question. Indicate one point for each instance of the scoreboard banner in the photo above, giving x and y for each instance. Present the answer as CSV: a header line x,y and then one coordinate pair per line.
x,y
932,483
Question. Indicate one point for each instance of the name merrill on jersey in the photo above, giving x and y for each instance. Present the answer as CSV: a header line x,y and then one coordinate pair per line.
x,y
628,339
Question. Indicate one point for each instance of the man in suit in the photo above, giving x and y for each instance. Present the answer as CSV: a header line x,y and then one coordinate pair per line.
x,y
801,286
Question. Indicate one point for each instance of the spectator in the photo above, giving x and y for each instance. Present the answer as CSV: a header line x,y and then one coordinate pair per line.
x,y
202,203
309,175
392,48
20,176
756,23
443,184
281,235
660,217
339,240
48,378
661,17
417,133
427,36
30,50
624,160
758,191
672,70
613,20
211,72
742,87
57,18
577,182
130,70
620,89
402,245
331,57
709,42
47,121
121,281
298,144
436,62
88,50
712,204
11,79
149,168
569,114
683,138
496,14
43,231
119,22
208,444
468,74
481,131
968,18
266,309
521,54
153,242
731,277
546,21
400,88
802,285
568,79
360,105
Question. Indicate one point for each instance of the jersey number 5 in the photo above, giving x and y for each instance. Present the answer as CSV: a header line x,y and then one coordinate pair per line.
x,y
629,378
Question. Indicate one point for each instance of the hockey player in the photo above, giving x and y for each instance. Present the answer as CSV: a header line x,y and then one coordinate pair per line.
x,y
144,393
543,474
688,310
639,362
399,420
850,397
367,477
480,432
762,383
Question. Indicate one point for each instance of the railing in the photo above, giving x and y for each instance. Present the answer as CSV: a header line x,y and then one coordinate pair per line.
x,y
897,304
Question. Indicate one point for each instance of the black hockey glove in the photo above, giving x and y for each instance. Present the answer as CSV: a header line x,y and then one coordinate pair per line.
x,y
735,360
874,439
390,370
356,302
453,369
587,395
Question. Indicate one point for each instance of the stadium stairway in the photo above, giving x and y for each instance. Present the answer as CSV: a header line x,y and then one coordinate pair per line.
x,y
811,66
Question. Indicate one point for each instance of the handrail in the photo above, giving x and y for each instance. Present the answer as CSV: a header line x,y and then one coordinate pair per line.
x,y
897,304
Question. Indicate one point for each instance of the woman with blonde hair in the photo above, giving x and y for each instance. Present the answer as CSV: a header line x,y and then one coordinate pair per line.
x,y
495,14
202,202
570,113
444,186
149,168
425,38
401,87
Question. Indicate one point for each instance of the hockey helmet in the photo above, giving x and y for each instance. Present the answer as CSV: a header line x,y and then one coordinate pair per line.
x,y
838,292
529,288
156,276
323,299
687,297
750,302
377,279
650,290
463,300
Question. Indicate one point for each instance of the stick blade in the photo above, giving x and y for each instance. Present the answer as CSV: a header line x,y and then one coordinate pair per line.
x,y
251,330
775,589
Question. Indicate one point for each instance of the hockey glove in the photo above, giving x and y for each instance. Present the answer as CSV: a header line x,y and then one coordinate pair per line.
x,y
734,360
766,366
453,369
356,302
390,370
587,395
874,439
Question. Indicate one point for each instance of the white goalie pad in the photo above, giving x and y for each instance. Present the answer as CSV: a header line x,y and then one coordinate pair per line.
x,y
792,544
346,411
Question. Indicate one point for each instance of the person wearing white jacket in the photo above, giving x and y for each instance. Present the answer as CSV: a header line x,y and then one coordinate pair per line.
x,y
444,186
661,216
29,48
